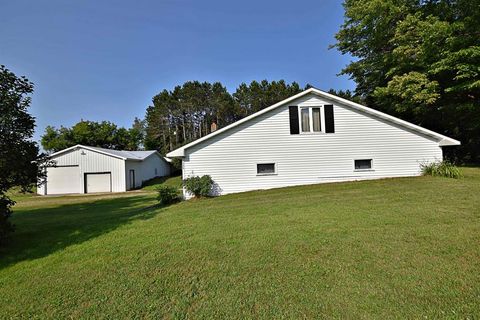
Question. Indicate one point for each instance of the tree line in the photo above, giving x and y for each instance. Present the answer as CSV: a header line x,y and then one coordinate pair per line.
x,y
104,134
188,111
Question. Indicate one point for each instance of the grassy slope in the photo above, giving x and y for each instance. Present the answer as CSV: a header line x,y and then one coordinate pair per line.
x,y
150,185
388,248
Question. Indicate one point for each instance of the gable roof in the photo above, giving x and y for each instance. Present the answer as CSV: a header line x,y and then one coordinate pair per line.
x,y
120,154
125,154
443,140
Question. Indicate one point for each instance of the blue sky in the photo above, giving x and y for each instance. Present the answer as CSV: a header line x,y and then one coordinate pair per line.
x,y
105,60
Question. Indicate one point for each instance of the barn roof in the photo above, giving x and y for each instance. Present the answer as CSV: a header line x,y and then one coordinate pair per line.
x,y
128,155
122,154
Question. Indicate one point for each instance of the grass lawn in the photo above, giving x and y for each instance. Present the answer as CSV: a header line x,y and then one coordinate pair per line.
x,y
394,248
176,182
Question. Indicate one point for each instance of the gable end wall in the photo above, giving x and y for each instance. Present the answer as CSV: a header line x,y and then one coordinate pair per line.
x,y
91,162
231,157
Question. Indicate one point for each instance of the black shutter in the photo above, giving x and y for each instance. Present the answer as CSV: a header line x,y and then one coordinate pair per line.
x,y
294,128
329,122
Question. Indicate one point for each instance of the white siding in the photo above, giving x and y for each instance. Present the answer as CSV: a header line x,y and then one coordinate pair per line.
x,y
231,157
145,170
93,162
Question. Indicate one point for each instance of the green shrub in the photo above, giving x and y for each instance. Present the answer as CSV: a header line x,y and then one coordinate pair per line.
x,y
441,169
167,195
199,186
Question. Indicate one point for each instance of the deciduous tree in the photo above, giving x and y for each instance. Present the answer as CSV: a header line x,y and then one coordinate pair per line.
x,y
103,134
20,160
419,60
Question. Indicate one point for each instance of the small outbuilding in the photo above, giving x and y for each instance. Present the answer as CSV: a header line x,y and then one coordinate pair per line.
x,y
84,169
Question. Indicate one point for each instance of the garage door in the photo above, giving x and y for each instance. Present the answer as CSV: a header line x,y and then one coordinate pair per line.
x,y
62,180
98,182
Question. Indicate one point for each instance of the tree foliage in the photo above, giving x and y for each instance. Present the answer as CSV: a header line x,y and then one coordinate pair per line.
x,y
187,112
96,134
20,161
419,60
259,95
346,94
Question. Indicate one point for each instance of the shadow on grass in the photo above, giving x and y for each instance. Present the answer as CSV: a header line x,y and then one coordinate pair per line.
x,y
42,231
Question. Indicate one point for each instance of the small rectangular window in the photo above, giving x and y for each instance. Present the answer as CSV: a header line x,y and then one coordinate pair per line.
x,y
317,122
266,168
305,119
363,164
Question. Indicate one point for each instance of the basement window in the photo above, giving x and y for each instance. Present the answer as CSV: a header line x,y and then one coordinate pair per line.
x,y
363,164
265,169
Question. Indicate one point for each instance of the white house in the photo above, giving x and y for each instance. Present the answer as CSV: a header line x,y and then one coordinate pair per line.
x,y
83,169
312,137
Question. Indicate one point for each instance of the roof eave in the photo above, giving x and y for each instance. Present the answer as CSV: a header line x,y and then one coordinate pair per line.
x,y
64,150
80,146
177,153
167,160
446,142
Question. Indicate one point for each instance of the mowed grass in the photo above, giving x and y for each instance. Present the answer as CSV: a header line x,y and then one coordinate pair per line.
x,y
394,248
152,184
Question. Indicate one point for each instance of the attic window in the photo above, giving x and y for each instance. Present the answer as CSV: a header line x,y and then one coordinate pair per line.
x,y
305,118
311,119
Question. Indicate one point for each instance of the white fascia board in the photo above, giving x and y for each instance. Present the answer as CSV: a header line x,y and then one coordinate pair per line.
x,y
177,153
64,150
105,153
87,148
449,142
